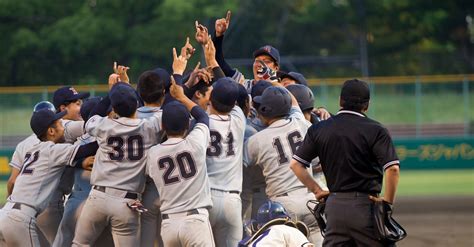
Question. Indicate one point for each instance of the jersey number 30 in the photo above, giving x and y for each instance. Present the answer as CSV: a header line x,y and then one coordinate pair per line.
x,y
186,167
134,147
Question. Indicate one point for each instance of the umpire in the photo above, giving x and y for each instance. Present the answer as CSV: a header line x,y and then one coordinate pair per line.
x,y
355,151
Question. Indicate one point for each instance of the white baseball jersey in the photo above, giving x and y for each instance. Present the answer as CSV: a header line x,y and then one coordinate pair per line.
x,y
178,168
123,146
72,130
40,173
272,149
147,111
225,150
281,235
21,149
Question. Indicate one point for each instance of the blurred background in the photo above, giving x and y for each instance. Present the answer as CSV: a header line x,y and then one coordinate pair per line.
x,y
418,57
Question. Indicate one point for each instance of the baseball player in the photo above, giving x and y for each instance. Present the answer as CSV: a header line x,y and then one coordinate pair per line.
x,y
275,228
39,177
224,162
48,221
178,168
80,191
118,177
151,88
271,149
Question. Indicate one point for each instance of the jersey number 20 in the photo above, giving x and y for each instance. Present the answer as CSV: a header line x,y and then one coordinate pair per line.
x,y
186,167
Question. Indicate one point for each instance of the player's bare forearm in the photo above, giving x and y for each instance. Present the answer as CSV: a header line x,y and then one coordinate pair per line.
x,y
11,181
392,175
304,176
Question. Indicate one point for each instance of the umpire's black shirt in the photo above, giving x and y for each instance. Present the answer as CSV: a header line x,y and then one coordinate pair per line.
x,y
354,151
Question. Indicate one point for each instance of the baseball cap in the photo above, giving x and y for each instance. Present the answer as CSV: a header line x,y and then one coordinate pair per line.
x,y
87,107
67,94
123,99
303,95
274,102
259,87
299,78
268,50
355,91
225,91
175,117
42,119
164,76
243,95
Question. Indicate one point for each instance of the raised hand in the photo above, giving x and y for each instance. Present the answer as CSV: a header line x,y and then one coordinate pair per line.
x,y
176,90
202,34
113,79
188,50
122,72
210,54
222,24
179,63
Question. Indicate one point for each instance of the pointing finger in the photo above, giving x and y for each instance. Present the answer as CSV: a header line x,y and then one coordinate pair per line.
x,y
227,18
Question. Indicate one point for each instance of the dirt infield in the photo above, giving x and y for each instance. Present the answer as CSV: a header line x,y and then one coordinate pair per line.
x,y
432,221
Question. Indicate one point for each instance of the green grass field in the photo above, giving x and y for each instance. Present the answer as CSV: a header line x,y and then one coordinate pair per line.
x,y
412,183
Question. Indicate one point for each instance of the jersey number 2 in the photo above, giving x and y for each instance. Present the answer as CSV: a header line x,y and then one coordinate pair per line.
x,y
186,167
29,160
294,140
134,147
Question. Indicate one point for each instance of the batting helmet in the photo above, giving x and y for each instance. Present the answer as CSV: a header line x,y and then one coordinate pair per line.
x,y
303,95
271,210
44,105
274,102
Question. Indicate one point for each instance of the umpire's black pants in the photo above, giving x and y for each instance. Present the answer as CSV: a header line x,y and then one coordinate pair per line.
x,y
350,221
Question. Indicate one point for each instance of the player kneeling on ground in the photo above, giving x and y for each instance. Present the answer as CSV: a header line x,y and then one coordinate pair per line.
x,y
178,168
275,228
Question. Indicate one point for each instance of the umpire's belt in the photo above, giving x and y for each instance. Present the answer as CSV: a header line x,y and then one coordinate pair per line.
x,y
26,209
352,194
117,192
182,214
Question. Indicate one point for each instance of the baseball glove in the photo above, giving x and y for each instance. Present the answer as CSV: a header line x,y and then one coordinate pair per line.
x,y
317,209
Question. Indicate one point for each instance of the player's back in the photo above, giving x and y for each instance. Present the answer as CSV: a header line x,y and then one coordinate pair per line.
x,y
147,111
123,146
225,150
272,149
178,167
41,172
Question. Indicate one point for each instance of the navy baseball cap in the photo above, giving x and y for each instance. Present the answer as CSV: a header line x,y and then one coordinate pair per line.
x,y
66,95
42,119
175,117
87,107
303,95
225,91
123,99
164,76
259,87
274,102
44,105
270,51
299,78
355,91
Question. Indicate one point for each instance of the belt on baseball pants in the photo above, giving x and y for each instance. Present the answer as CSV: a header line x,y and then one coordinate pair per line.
x,y
296,192
228,191
26,209
186,213
128,195
352,194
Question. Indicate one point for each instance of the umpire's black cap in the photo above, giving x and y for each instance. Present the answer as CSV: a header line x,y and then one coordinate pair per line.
x,y
274,102
355,91
268,50
123,99
66,95
42,119
175,117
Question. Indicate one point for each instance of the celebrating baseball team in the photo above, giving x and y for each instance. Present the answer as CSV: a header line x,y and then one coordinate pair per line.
x,y
204,158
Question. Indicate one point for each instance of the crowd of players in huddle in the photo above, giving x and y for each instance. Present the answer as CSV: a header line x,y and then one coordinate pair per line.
x,y
178,161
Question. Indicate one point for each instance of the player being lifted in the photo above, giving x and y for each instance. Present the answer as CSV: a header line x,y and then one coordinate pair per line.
x,y
178,168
